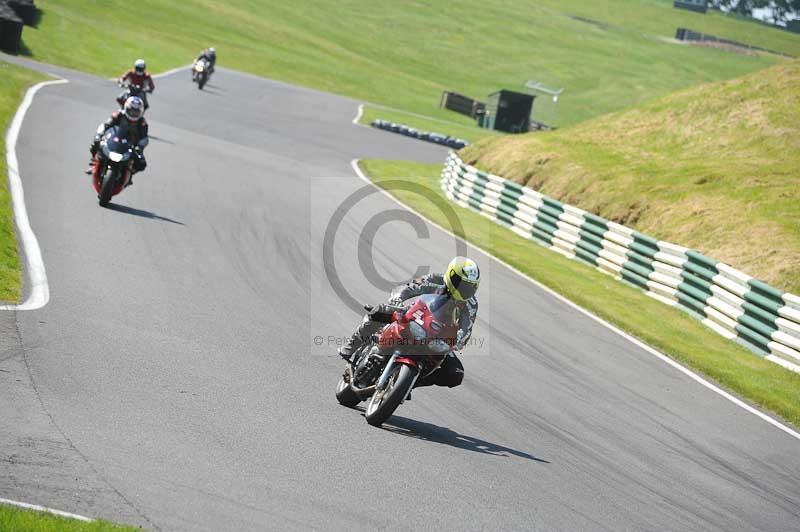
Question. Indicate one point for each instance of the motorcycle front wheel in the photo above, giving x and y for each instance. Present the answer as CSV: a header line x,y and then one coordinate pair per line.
x,y
107,188
384,402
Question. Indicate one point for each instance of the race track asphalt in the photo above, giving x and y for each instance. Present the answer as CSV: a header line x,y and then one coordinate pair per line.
x,y
173,380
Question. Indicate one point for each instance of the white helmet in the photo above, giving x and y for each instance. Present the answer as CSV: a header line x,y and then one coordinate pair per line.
x,y
134,108
139,66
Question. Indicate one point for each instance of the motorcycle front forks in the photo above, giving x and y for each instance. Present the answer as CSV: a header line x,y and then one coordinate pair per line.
x,y
387,371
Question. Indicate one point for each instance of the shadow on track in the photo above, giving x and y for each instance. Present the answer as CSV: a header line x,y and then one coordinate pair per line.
x,y
144,214
159,139
430,432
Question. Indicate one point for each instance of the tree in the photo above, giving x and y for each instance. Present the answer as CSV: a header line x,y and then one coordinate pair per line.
x,y
781,10
742,7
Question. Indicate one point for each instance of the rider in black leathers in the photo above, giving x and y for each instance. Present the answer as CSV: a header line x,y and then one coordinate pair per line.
x,y
461,273
210,55
131,117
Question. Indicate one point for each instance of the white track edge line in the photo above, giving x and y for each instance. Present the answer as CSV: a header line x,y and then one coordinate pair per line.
x,y
664,358
172,71
359,113
40,290
38,508
163,74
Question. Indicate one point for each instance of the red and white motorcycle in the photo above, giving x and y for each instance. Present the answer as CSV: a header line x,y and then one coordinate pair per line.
x,y
413,346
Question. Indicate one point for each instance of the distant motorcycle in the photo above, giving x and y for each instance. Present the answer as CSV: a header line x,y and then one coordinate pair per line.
x,y
133,89
112,164
200,73
385,368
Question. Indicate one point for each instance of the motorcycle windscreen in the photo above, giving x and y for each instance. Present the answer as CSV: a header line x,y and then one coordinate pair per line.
x,y
116,145
443,308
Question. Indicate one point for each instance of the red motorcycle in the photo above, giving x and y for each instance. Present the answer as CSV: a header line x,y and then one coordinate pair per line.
x,y
413,346
112,165
133,89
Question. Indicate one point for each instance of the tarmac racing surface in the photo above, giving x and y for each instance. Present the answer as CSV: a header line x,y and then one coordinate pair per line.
x,y
182,375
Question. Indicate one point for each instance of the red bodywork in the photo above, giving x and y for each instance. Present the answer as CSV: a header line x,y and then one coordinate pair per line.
x,y
398,335
96,165
145,81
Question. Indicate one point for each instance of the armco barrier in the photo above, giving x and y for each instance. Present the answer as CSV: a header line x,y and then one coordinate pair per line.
x,y
730,302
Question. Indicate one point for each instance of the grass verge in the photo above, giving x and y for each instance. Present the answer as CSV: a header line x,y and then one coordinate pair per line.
x,y
714,168
20,520
14,81
677,334
432,125
606,53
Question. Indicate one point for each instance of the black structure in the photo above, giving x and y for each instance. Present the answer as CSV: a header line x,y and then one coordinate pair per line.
x,y
793,26
508,111
684,34
25,9
10,29
461,104
699,6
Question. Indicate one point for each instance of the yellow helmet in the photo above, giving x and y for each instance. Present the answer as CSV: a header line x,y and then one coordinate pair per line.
x,y
462,278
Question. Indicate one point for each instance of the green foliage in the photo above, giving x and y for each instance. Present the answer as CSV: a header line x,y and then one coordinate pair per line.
x,y
404,54
13,82
782,10
18,520
714,168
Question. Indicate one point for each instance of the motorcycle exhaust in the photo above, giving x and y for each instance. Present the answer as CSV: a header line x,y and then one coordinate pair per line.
x,y
381,380
356,389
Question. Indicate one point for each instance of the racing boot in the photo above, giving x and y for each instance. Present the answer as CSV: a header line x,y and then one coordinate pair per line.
x,y
367,328
350,346
93,148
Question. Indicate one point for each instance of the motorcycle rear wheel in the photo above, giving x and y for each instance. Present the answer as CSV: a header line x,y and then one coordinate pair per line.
x,y
345,395
383,403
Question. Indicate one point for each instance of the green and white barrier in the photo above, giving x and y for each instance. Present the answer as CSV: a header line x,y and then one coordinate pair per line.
x,y
732,303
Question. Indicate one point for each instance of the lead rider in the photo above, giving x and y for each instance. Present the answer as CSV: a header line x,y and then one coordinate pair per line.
x,y
131,117
459,282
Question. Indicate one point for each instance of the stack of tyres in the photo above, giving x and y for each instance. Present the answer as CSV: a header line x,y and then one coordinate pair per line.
x,y
437,138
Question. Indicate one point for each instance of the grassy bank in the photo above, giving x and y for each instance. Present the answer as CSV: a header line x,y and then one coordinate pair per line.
x,y
678,335
714,168
18,520
13,83
403,54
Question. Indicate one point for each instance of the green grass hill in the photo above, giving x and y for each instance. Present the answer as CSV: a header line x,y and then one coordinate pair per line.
x,y
608,54
715,168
